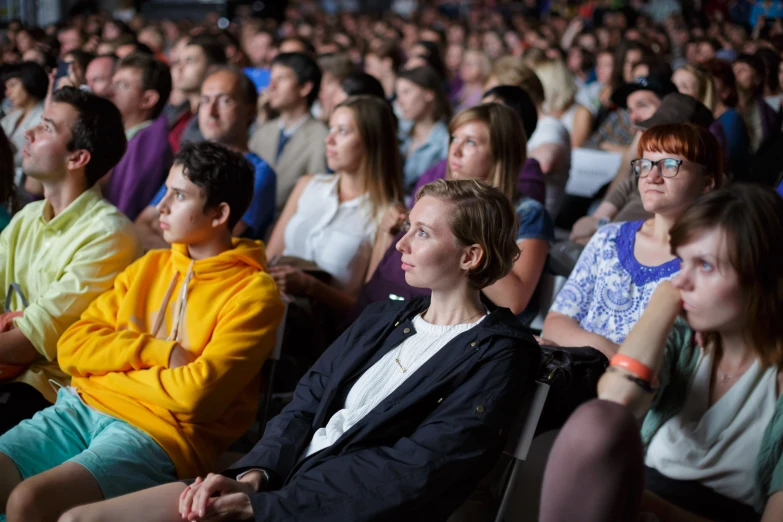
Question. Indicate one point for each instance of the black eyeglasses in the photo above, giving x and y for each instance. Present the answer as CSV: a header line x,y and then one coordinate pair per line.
x,y
667,167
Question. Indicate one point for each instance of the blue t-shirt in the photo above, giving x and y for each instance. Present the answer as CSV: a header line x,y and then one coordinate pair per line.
x,y
261,211
534,221
737,140
259,76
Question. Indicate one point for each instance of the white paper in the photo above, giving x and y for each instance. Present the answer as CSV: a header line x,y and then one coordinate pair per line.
x,y
591,170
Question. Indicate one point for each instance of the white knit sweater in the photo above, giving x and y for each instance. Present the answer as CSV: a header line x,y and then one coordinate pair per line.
x,y
385,376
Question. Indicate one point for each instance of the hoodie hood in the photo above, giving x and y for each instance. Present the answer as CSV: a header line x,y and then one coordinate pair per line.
x,y
246,252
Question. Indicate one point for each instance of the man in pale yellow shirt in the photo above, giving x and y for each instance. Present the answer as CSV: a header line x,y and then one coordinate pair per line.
x,y
61,253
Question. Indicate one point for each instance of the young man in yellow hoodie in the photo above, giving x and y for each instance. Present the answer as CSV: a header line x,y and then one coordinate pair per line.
x,y
165,365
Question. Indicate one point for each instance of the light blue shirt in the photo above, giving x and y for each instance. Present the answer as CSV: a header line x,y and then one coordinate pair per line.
x,y
435,149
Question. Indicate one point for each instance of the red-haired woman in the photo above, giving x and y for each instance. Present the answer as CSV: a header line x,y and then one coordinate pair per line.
x,y
623,263
709,447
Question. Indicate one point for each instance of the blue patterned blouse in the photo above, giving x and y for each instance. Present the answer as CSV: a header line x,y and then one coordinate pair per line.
x,y
609,289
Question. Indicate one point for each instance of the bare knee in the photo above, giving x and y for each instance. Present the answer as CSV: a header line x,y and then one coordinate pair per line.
x,y
24,503
9,479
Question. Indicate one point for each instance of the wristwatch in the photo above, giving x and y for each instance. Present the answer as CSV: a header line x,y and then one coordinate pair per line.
x,y
602,222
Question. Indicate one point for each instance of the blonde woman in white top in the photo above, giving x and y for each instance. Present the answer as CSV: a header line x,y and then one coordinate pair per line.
x,y
560,92
331,220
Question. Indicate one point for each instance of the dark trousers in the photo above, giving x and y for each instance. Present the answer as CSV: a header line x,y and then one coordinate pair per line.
x,y
19,401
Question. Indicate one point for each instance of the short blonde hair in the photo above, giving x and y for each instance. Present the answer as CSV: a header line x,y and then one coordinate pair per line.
x,y
484,216
511,70
559,85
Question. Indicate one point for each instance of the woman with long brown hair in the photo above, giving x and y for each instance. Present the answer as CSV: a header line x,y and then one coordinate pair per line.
x,y
331,220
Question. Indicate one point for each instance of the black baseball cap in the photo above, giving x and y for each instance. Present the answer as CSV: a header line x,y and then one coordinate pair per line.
x,y
679,108
659,85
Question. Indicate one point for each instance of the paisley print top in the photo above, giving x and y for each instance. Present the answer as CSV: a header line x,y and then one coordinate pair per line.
x,y
609,289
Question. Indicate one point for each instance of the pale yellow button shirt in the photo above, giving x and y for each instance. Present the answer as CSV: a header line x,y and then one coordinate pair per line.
x,y
62,264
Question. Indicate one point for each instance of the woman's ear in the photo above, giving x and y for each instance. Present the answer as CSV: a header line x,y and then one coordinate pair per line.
x,y
472,257
709,183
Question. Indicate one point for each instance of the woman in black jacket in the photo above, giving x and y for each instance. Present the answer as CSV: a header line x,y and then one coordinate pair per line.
x,y
406,412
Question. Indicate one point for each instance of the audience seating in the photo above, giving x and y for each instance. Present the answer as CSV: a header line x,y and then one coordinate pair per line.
x,y
520,437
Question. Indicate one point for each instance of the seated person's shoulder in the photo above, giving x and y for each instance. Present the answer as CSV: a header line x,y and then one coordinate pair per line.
x,y
316,127
607,233
267,130
111,219
259,286
259,163
31,210
305,180
534,220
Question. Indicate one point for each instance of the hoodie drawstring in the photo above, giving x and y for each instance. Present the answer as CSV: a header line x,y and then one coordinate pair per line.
x,y
182,303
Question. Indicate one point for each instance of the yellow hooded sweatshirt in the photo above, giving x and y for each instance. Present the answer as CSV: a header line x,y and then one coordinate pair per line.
x,y
224,309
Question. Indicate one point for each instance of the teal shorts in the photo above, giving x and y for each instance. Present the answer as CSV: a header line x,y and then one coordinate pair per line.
x,y
122,458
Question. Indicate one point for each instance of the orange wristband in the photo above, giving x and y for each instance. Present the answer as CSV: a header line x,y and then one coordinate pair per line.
x,y
632,366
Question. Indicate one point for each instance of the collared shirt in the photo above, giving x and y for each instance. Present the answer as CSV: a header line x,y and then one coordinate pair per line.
x,y
133,131
62,263
287,133
291,129
337,236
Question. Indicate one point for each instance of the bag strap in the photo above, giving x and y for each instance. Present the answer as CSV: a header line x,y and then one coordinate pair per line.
x,y
14,287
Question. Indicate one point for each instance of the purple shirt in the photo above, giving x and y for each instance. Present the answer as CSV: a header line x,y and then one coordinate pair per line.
x,y
530,182
142,170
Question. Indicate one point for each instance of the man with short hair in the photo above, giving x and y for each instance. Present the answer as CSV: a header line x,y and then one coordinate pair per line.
x,y
99,74
261,49
70,38
383,62
140,88
154,38
202,53
132,46
60,253
643,96
292,144
228,99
